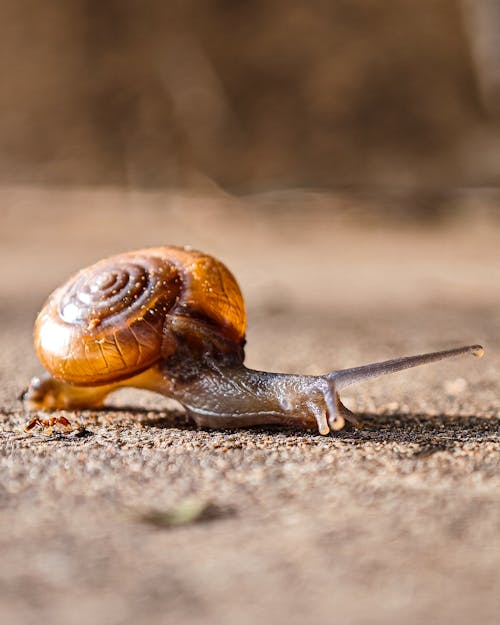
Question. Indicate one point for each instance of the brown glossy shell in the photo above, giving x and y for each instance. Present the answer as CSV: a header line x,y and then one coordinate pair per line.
x,y
118,317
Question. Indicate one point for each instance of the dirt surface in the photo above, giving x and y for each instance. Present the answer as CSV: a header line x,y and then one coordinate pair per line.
x,y
396,523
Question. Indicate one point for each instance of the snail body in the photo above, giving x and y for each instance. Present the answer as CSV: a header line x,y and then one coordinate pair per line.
x,y
172,320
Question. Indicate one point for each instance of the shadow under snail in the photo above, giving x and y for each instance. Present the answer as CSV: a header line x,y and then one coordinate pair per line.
x,y
172,320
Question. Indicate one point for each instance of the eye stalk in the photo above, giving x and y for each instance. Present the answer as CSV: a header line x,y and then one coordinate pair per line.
x,y
338,380
346,377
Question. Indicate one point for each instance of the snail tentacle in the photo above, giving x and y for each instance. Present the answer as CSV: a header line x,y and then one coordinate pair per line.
x,y
346,377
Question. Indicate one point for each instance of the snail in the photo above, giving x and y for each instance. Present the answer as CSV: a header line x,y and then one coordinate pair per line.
x,y
172,320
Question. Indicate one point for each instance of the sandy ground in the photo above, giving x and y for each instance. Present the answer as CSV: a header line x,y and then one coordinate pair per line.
x,y
395,523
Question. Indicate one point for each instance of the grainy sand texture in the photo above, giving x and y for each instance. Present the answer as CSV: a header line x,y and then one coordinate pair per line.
x,y
396,523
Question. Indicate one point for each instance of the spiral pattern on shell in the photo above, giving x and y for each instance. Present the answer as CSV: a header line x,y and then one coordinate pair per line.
x,y
96,296
114,319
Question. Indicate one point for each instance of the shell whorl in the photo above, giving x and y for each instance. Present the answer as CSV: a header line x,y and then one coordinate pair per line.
x,y
114,319
98,294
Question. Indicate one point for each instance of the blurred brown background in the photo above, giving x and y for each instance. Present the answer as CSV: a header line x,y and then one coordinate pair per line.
x,y
250,95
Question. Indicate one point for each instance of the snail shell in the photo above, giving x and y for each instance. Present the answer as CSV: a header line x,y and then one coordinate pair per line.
x,y
118,317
